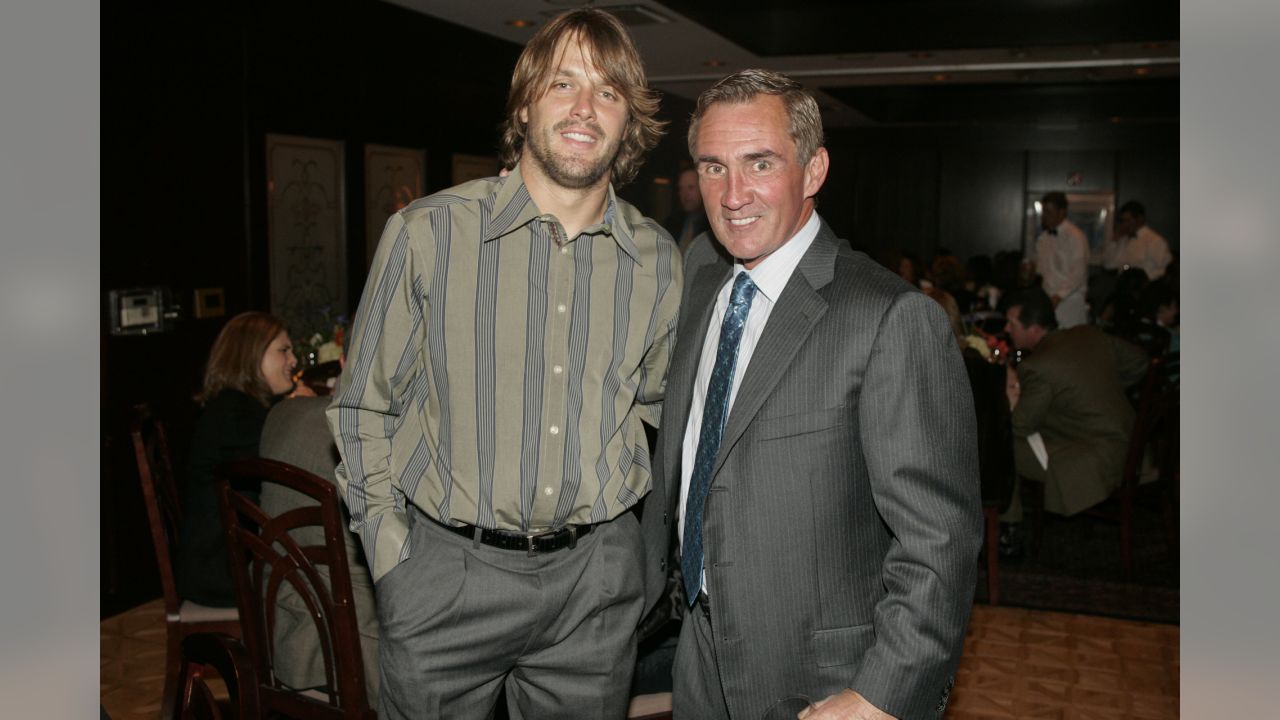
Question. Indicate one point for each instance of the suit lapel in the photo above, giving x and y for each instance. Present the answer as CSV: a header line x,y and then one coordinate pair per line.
x,y
698,304
794,316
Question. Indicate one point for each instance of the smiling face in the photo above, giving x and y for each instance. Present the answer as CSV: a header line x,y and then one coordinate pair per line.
x,y
278,364
575,127
756,193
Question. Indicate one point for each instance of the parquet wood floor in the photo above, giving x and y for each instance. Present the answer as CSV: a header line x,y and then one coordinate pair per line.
x,y
1037,664
1017,664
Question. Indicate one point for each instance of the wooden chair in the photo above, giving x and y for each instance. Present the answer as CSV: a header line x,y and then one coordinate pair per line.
x,y
1157,401
274,560
227,656
995,458
164,514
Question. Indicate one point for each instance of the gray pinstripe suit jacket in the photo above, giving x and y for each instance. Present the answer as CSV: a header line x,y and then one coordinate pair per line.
x,y
843,522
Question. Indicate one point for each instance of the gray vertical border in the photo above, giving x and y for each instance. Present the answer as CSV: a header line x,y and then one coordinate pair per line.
x,y
51,307
1231,367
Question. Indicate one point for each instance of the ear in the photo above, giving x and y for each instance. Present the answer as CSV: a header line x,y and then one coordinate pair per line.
x,y
523,114
815,172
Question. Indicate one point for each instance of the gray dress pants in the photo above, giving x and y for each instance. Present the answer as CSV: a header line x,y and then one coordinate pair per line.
x,y
462,621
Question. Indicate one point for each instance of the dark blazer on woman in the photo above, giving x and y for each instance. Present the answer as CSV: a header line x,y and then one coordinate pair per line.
x,y
228,429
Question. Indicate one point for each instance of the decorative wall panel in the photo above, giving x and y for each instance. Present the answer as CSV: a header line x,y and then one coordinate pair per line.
x,y
306,233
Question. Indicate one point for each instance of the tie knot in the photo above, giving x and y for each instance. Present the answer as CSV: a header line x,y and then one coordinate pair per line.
x,y
743,290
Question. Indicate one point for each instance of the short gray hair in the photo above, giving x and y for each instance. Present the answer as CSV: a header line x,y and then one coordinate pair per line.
x,y
744,85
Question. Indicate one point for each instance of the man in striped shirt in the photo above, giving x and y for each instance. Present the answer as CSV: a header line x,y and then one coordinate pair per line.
x,y
512,335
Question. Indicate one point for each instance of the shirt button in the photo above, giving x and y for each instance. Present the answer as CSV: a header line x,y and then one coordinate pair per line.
x,y
564,250
560,308
557,369
554,429
548,491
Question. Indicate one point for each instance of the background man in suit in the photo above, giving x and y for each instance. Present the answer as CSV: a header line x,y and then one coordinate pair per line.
x,y
1070,415
296,432
817,443
689,221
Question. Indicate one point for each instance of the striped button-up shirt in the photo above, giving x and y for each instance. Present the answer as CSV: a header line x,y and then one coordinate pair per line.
x,y
499,371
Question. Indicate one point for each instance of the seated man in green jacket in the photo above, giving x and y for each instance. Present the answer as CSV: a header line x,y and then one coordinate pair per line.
x,y
1071,418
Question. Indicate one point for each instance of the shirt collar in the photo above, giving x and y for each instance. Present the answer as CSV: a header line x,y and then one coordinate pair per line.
x,y
513,208
773,273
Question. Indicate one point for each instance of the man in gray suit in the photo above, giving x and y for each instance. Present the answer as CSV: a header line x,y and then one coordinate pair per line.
x,y
818,444
296,432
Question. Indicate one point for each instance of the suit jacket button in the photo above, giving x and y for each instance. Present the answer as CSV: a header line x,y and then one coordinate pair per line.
x,y
662,564
664,518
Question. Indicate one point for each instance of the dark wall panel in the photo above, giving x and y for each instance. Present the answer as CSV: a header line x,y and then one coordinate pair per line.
x,y
896,200
1151,177
1089,170
964,188
980,204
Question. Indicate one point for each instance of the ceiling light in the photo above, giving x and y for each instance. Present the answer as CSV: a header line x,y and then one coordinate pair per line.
x,y
939,77
714,62
1142,71
521,23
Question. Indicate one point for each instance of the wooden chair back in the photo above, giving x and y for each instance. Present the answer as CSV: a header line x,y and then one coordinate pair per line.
x,y
1156,417
160,493
274,560
164,515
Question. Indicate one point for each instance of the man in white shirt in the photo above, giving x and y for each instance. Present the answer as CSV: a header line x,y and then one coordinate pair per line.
x,y
1135,244
817,448
1062,259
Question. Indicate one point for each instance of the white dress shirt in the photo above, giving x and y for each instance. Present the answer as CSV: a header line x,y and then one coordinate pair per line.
x,y
1146,249
1063,263
770,277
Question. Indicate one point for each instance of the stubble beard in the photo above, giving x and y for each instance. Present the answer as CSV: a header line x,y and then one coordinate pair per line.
x,y
571,172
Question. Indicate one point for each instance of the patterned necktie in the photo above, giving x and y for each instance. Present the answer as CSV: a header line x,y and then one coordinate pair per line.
x,y
714,411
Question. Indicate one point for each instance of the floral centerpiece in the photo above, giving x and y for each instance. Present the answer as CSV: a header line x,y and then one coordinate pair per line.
x,y
990,346
323,345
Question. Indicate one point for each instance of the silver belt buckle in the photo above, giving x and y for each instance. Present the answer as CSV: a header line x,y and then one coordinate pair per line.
x,y
534,538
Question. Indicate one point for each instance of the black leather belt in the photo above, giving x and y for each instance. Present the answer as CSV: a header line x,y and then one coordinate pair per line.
x,y
550,541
